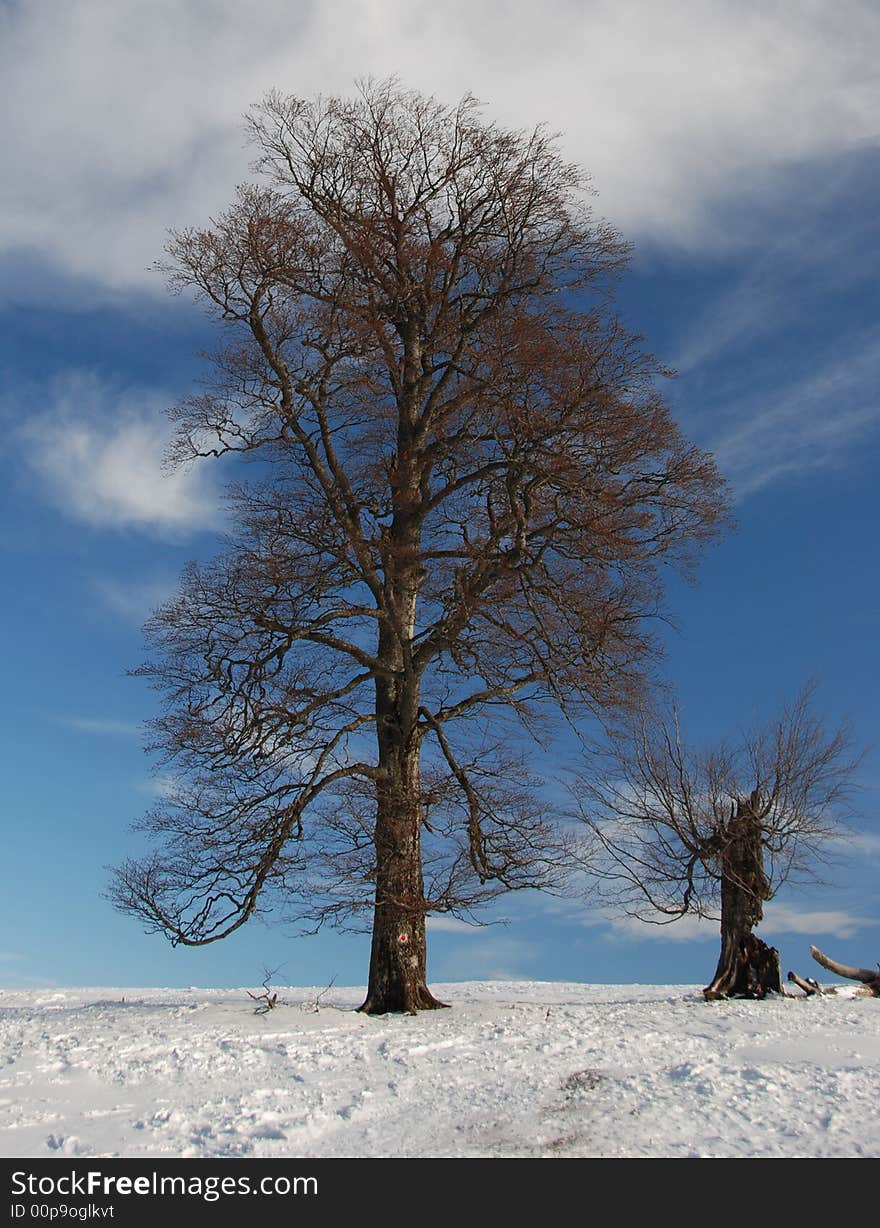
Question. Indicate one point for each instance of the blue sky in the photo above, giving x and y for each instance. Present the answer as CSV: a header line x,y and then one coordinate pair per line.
x,y
738,147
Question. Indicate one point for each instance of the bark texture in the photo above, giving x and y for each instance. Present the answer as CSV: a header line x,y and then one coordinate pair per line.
x,y
398,955
747,967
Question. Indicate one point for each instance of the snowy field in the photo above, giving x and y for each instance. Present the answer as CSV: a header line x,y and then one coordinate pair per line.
x,y
514,1069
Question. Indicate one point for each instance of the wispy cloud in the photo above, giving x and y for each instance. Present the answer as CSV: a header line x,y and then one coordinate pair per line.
x,y
814,422
135,600
97,452
859,844
102,726
163,787
684,113
793,275
491,959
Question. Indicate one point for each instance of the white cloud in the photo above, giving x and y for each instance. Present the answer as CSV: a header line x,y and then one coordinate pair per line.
x,y
786,919
779,918
451,925
97,451
687,929
127,112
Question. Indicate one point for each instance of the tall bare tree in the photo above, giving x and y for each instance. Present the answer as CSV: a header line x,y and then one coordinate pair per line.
x,y
715,833
466,482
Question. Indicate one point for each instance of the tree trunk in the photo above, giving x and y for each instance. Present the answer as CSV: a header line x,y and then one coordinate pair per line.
x,y
398,957
747,967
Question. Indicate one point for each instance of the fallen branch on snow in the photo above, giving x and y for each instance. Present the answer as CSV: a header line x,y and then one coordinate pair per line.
x,y
869,980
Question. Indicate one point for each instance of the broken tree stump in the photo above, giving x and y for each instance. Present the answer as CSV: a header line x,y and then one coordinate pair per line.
x,y
748,968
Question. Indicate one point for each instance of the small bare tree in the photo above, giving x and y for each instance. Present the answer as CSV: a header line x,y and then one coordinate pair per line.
x,y
268,999
466,481
715,833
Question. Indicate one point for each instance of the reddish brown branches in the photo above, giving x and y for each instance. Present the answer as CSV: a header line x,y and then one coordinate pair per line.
x,y
468,481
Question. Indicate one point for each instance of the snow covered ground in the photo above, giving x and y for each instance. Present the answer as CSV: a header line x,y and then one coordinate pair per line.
x,y
514,1069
